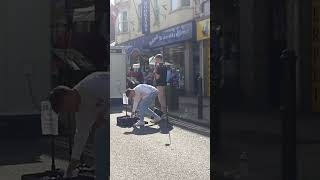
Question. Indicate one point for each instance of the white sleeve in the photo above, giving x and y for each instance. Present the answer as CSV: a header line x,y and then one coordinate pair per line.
x,y
84,122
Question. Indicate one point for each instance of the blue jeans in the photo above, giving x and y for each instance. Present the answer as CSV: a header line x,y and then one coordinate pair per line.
x,y
101,153
144,106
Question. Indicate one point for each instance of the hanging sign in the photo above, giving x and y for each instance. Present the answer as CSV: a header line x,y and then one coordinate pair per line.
x,y
49,119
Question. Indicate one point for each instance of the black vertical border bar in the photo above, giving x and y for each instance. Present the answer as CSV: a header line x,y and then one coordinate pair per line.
x,y
107,29
212,114
102,14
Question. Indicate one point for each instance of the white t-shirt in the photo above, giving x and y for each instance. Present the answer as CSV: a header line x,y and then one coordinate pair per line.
x,y
94,92
141,91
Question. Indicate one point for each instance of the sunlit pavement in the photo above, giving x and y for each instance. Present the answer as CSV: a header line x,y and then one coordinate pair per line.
x,y
144,153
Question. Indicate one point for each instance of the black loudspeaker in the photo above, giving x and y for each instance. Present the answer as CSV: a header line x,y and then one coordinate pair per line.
x,y
126,121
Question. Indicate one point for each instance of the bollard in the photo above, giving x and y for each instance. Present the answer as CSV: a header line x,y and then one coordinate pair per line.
x,y
200,102
244,166
53,165
288,113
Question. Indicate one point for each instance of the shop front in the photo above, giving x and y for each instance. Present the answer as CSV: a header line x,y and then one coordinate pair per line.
x,y
175,44
203,37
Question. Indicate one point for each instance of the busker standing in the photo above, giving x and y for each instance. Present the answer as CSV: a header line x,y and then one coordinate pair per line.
x,y
160,79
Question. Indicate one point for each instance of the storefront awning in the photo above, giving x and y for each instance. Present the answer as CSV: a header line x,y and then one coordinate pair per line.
x,y
84,14
176,34
74,59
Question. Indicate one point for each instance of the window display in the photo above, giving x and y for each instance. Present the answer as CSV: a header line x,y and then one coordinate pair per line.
x,y
174,57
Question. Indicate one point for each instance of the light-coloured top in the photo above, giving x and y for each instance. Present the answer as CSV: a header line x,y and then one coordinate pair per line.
x,y
141,91
94,92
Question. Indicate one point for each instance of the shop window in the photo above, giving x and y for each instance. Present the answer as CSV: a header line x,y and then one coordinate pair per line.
x,y
177,4
175,57
123,22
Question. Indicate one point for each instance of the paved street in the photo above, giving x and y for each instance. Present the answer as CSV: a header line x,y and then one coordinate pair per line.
x,y
26,156
135,154
143,154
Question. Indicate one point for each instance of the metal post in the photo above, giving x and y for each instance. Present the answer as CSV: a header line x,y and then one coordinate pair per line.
x,y
70,132
288,114
200,103
126,109
53,166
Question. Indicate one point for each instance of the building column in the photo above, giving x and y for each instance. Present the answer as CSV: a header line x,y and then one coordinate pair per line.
x,y
246,48
293,40
206,66
254,51
188,64
261,52
305,49
202,64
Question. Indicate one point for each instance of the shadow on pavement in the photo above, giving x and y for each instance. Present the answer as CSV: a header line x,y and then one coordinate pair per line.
x,y
148,129
15,151
143,131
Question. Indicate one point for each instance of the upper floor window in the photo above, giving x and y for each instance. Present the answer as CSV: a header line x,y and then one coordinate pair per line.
x,y
206,8
140,17
177,4
123,22
156,12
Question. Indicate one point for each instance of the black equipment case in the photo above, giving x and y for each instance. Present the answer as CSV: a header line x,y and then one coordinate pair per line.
x,y
126,121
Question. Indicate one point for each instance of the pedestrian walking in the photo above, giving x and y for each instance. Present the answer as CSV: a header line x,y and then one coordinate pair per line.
x,y
160,79
88,99
143,96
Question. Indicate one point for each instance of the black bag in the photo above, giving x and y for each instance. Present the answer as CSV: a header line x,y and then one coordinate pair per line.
x,y
80,178
43,175
46,175
126,121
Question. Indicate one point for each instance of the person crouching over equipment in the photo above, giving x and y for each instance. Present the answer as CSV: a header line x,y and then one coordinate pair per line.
x,y
88,99
143,96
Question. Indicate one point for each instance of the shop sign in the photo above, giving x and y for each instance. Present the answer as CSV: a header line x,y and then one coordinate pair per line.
x,y
136,44
203,29
145,16
171,35
118,51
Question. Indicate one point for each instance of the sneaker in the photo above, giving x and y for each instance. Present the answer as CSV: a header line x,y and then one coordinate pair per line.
x,y
156,120
139,123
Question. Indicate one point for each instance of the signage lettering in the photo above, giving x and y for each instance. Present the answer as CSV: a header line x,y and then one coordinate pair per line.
x,y
145,16
174,34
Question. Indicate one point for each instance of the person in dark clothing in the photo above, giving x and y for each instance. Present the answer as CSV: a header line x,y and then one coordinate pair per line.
x,y
161,78
140,76
149,77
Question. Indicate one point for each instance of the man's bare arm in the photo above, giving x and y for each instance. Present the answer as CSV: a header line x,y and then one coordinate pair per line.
x,y
157,76
100,119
